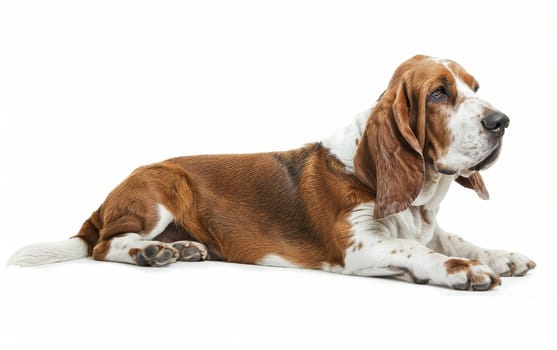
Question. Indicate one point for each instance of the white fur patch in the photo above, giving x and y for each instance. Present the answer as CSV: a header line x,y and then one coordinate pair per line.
x,y
374,240
432,196
49,252
343,143
275,260
119,250
165,218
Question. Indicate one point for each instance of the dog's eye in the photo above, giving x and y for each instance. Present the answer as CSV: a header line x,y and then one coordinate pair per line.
x,y
438,94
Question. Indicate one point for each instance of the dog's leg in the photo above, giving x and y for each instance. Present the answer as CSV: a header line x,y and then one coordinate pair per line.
x,y
375,254
502,262
143,249
120,240
124,238
132,248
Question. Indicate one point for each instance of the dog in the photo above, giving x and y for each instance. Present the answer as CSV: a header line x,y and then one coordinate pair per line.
x,y
363,201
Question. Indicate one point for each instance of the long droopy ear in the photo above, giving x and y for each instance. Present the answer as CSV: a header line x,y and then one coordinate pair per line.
x,y
475,182
389,156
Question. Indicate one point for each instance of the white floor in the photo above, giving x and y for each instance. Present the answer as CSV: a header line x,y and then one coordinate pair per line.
x,y
90,305
91,90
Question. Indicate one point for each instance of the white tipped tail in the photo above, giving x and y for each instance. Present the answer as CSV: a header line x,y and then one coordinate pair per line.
x,y
49,252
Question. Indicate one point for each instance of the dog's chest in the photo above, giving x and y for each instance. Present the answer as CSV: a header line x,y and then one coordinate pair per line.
x,y
414,223
372,238
417,222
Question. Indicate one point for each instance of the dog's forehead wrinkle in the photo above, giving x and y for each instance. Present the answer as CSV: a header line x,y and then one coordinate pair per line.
x,y
466,92
462,88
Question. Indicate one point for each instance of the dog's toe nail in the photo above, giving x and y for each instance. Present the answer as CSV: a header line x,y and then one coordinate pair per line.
x,y
483,286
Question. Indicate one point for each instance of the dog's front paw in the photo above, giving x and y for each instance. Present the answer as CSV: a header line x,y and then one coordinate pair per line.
x,y
506,263
464,274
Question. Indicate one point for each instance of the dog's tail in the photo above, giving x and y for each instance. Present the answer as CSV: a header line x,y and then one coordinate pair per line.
x,y
49,252
79,246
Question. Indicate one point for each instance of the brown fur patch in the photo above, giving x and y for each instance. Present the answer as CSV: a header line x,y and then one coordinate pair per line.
x,y
458,265
293,204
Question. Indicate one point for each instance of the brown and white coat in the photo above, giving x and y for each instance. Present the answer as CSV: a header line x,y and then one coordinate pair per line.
x,y
361,202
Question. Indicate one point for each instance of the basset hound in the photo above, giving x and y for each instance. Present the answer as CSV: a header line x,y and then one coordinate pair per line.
x,y
363,201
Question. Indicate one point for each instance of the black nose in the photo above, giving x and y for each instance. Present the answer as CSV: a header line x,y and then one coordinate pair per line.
x,y
496,122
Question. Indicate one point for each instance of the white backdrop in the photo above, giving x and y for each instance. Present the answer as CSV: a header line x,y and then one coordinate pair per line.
x,y
92,89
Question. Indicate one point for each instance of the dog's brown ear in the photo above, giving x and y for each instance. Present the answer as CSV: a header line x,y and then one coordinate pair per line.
x,y
475,182
389,156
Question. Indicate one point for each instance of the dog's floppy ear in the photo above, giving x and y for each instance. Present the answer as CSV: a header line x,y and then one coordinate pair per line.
x,y
475,182
389,156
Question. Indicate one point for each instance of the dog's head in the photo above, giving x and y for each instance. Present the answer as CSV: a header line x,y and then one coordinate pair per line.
x,y
428,120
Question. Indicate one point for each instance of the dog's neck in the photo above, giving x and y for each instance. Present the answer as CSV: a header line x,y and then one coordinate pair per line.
x,y
434,189
343,144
